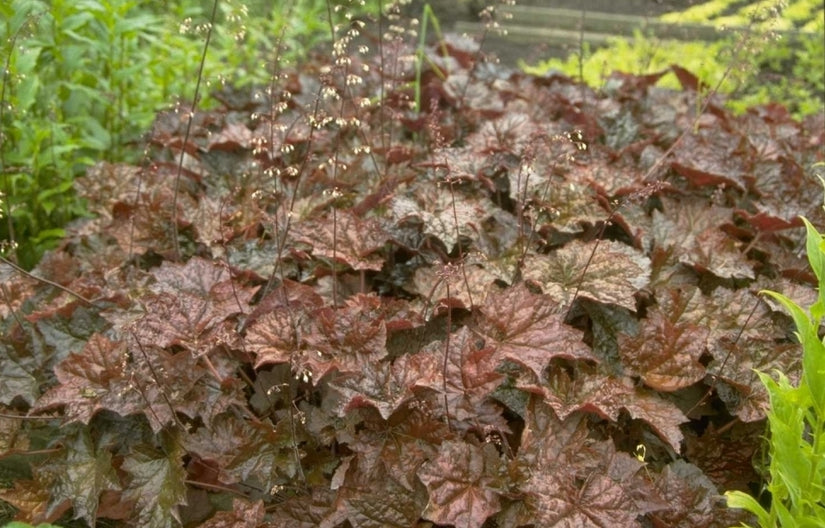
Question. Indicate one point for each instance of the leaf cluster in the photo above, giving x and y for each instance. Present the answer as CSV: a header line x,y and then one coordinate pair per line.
x,y
524,304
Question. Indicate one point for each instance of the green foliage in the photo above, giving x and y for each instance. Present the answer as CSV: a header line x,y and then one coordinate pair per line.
x,y
725,13
793,73
83,79
700,13
797,420
752,66
642,55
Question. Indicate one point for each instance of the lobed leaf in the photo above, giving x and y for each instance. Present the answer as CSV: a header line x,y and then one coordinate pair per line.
x,y
615,273
348,239
84,472
665,354
528,329
156,483
462,482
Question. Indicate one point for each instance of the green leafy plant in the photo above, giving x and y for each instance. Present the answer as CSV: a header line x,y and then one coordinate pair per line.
x,y
73,94
796,419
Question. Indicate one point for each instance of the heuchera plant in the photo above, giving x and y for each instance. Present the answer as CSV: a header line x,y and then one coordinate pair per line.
x,y
526,304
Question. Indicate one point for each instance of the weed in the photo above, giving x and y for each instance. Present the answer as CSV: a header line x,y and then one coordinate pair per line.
x,y
189,118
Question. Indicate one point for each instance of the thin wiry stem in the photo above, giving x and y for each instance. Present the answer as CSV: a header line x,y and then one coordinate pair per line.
x,y
649,177
190,118
446,357
21,271
458,245
724,361
7,299
381,95
161,387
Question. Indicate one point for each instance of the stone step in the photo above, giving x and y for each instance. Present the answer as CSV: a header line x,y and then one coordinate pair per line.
x,y
531,34
559,30
604,23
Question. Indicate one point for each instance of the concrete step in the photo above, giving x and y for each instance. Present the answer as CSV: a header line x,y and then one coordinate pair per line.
x,y
604,23
559,30
549,36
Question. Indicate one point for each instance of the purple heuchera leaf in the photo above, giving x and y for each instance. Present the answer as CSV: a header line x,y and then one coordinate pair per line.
x,y
529,329
461,482
615,273
157,484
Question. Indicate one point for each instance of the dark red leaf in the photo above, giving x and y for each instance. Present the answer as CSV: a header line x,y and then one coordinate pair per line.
x,y
692,229
235,136
241,450
314,509
384,385
687,79
786,191
735,364
452,285
99,378
197,276
347,239
665,353
243,515
384,503
712,157
273,336
529,329
401,444
444,215
572,481
694,502
274,328
615,273
607,396
183,319
463,483
766,223
471,378
599,501
344,339
726,457
551,444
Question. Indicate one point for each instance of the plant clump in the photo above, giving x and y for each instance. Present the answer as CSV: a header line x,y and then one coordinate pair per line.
x,y
369,294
